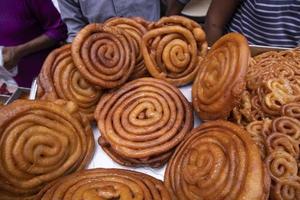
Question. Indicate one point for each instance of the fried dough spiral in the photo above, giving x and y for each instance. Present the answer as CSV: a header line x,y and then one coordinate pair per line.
x,y
136,28
281,165
60,79
287,189
220,82
142,122
218,160
281,142
106,184
291,110
259,131
273,80
39,142
105,56
288,126
173,49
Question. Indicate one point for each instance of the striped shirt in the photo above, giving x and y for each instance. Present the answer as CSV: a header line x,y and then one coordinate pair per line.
x,y
268,22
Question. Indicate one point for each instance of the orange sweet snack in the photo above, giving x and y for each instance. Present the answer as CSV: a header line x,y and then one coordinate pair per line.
x,y
104,55
136,28
40,141
173,49
60,79
220,81
106,184
280,138
142,122
218,160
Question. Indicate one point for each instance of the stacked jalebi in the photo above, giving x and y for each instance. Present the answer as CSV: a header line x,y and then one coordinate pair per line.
x,y
220,81
105,184
60,79
273,80
173,49
136,28
217,160
40,141
143,122
279,141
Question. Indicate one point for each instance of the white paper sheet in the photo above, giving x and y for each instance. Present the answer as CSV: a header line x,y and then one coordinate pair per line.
x,y
101,160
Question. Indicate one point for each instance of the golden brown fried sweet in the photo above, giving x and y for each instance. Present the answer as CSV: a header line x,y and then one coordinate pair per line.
x,y
281,165
104,55
273,80
220,81
136,28
173,49
291,110
39,142
259,131
275,93
142,122
60,79
288,126
281,141
287,189
218,160
106,184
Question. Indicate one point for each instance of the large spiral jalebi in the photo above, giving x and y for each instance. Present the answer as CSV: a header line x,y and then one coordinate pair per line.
x,y
173,49
39,142
60,79
220,82
104,55
218,160
142,122
136,28
106,184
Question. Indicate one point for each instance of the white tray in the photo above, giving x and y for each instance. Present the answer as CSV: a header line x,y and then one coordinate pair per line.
x,y
101,160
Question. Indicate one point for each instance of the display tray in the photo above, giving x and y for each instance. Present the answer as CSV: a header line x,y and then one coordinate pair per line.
x,y
102,160
20,93
4,98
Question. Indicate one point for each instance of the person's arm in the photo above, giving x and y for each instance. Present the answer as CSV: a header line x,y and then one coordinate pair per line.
x,y
218,16
12,55
174,7
54,31
72,15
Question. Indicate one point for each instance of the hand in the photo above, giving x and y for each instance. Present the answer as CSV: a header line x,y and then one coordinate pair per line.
x,y
11,57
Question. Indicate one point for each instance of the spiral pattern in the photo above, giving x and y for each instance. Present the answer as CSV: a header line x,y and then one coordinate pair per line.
x,y
287,189
259,131
173,49
271,65
281,165
136,28
288,126
60,79
275,94
291,110
39,142
218,160
282,142
105,56
105,184
274,77
220,82
143,122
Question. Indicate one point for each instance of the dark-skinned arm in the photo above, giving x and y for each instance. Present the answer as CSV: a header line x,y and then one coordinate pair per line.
x,y
218,16
54,31
174,7
12,55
